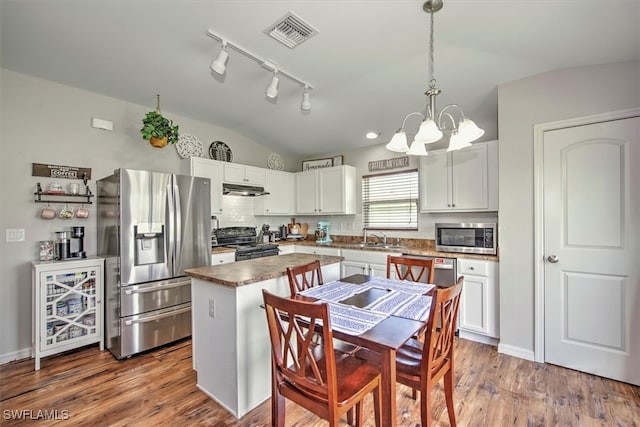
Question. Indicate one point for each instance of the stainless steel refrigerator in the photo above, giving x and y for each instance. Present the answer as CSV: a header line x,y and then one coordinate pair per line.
x,y
151,227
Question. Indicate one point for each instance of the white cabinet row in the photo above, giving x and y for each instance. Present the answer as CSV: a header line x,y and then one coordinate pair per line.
x,y
365,262
463,180
329,191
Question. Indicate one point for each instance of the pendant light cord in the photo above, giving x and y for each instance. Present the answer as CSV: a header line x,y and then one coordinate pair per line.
x,y
432,82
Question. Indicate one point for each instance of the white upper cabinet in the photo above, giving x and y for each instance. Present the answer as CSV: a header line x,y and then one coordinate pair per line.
x,y
213,170
241,174
326,191
281,187
462,180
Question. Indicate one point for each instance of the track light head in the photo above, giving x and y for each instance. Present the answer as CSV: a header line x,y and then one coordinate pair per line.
x,y
306,103
272,89
219,65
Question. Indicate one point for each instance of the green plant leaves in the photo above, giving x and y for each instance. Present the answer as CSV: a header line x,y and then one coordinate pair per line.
x,y
155,125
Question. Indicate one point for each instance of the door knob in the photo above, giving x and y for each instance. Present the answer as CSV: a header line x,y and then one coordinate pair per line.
x,y
552,259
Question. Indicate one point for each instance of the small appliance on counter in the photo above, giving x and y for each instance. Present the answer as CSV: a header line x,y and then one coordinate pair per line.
x,y
322,232
63,246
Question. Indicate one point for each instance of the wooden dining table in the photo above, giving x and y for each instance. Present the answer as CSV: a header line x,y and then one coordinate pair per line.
x,y
385,338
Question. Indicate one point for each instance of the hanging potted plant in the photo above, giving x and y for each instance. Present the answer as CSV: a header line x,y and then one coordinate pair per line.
x,y
157,129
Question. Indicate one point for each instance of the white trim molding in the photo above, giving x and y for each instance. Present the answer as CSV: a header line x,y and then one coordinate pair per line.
x,y
538,180
514,351
25,353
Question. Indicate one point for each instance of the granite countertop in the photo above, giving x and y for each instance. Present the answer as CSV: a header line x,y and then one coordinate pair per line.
x,y
256,270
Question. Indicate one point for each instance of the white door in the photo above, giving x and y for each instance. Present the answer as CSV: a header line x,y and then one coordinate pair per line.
x,y
591,238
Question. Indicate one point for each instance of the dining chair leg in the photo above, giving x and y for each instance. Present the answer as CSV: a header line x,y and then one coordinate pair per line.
x,y
448,395
350,417
359,414
425,406
277,403
414,393
377,408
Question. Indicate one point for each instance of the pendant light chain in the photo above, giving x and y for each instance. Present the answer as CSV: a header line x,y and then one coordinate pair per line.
x,y
432,82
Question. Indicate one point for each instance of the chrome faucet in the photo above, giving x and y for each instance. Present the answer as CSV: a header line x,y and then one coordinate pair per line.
x,y
380,235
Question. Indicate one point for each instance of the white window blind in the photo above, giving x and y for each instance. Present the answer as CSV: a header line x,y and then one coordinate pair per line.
x,y
390,200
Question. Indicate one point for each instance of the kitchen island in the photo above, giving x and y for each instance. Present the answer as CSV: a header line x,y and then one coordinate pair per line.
x,y
230,338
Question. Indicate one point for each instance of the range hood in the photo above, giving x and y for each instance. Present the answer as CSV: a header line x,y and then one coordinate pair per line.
x,y
243,190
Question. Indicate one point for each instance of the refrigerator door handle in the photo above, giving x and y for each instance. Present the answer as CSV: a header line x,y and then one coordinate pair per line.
x,y
157,316
177,224
171,241
157,288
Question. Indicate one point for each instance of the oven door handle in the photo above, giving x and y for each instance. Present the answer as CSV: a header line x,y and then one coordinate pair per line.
x,y
157,316
157,288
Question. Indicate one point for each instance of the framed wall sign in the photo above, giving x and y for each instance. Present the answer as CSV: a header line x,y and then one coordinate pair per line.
x,y
308,165
57,171
398,162
338,161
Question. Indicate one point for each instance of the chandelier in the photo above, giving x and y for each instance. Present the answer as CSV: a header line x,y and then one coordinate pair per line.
x,y
432,128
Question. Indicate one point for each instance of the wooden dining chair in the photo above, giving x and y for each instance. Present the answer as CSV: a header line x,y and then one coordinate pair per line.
x,y
305,276
413,269
322,380
420,365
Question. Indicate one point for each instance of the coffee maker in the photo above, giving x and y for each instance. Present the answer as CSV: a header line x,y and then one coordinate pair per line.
x,y
63,246
322,232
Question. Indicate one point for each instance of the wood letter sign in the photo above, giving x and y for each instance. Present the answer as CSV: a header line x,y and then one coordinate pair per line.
x,y
398,162
56,171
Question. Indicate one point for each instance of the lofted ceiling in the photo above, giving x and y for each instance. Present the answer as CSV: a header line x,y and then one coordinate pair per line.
x,y
368,63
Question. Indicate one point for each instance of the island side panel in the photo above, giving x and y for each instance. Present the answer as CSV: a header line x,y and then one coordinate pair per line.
x,y
253,343
215,352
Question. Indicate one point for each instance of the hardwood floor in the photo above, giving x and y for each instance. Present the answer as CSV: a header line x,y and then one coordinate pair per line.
x,y
89,387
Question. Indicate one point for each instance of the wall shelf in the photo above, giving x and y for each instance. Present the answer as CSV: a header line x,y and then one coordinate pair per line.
x,y
84,199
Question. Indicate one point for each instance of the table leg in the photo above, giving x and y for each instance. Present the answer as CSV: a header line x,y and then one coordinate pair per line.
x,y
388,384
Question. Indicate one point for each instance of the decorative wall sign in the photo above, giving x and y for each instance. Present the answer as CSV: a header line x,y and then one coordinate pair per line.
x,y
397,162
308,165
338,160
57,171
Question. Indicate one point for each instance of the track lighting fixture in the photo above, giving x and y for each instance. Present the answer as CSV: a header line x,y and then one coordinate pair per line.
x,y
219,66
305,105
272,89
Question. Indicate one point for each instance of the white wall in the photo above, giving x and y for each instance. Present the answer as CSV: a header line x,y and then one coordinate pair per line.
x,y
44,122
543,98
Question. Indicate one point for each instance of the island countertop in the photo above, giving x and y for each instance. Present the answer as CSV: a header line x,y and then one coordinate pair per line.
x,y
255,270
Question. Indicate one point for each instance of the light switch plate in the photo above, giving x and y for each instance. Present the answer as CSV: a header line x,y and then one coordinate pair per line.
x,y
15,235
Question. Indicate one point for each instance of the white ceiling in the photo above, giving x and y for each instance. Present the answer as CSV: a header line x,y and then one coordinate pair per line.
x,y
368,63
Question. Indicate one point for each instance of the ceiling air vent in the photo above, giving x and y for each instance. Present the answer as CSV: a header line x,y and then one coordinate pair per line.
x,y
290,30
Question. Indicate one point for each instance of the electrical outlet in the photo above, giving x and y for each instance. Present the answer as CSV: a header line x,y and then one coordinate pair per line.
x,y
212,308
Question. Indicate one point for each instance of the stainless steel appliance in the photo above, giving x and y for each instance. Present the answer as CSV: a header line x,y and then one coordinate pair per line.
x,y
244,241
445,270
151,227
475,238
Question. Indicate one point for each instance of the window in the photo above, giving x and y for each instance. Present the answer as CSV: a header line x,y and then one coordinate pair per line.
x,y
390,200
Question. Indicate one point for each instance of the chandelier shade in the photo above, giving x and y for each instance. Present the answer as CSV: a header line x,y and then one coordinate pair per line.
x,y
462,131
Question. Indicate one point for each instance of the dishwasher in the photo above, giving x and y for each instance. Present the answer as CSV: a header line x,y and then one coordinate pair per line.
x,y
445,274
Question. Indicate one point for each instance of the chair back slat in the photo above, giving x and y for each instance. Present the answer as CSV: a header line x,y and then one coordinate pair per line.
x,y
293,326
441,327
413,269
304,277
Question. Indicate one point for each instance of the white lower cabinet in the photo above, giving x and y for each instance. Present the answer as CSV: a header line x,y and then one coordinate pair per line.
x,y
223,258
371,263
479,308
67,306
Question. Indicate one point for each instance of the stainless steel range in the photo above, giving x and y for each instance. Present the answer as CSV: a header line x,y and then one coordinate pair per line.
x,y
244,241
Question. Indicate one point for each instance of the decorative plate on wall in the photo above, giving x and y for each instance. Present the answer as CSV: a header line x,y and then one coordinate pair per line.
x,y
275,162
218,150
188,146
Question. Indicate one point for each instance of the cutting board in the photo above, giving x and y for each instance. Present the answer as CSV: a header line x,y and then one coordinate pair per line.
x,y
304,227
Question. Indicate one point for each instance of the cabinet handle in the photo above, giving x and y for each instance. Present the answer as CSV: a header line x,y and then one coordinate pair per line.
x,y
471,268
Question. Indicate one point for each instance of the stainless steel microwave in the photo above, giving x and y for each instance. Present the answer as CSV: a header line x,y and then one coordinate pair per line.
x,y
474,238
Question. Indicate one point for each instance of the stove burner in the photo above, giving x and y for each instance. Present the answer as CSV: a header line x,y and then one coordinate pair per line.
x,y
243,240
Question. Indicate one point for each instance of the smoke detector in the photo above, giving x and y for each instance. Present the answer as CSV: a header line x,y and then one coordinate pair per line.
x,y
290,30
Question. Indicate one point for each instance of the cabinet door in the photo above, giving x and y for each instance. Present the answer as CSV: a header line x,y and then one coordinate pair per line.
x,y
280,185
469,178
214,171
378,270
306,192
434,182
255,176
474,314
234,172
353,267
331,190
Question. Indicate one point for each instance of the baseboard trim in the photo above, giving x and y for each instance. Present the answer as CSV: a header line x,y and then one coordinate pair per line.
x,y
15,355
478,338
520,352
